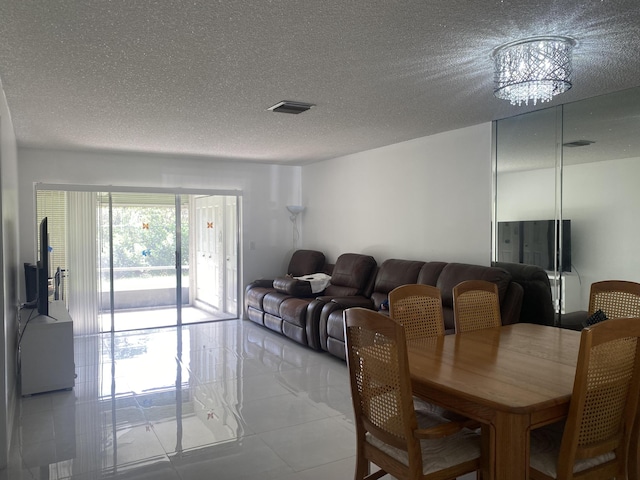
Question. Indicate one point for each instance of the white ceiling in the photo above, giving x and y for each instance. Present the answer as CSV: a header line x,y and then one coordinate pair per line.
x,y
196,77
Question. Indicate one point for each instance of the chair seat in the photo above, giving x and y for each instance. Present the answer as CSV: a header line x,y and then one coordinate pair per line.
x,y
440,453
545,447
420,405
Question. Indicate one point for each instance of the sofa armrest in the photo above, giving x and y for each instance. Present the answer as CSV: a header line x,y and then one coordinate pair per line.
x,y
261,282
355,301
293,287
512,304
320,306
323,307
313,321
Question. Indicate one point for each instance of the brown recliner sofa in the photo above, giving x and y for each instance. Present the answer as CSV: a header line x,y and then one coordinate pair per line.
x,y
283,304
302,262
395,272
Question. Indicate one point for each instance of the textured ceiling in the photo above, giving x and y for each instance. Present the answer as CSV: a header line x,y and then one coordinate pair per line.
x,y
196,77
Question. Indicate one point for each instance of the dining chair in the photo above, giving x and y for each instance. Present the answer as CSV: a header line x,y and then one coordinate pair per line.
x,y
476,305
616,298
599,436
389,432
419,309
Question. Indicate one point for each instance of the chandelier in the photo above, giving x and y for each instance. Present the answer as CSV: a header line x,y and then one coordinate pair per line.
x,y
535,69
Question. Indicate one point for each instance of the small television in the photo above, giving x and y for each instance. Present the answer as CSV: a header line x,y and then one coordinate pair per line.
x,y
535,242
42,270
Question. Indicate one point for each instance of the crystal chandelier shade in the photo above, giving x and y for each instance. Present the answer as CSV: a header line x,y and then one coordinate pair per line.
x,y
535,69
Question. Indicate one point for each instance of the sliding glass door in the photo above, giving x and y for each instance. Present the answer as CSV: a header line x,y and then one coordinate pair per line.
x,y
140,260
151,270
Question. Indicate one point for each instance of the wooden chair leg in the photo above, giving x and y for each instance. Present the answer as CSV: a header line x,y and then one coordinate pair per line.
x,y
362,468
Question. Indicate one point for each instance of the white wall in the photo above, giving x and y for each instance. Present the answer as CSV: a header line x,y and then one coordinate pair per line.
x,y
9,251
425,199
266,190
602,200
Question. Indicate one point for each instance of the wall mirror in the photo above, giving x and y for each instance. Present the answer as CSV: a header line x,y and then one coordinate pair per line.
x,y
566,193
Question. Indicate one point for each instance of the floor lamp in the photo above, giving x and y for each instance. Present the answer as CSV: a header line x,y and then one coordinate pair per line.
x,y
295,210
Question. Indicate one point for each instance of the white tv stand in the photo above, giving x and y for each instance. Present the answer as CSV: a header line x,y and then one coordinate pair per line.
x,y
46,352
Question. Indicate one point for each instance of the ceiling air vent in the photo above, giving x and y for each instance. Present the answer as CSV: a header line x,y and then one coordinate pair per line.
x,y
287,106
579,143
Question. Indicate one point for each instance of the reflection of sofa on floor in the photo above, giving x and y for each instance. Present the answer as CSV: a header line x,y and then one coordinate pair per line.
x,y
283,304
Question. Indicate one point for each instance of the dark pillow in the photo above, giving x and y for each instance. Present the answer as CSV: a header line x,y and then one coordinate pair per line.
x,y
597,317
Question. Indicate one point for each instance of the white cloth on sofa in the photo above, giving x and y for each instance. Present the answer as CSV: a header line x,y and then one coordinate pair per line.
x,y
318,281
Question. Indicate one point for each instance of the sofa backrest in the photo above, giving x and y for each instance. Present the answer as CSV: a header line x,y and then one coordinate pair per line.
x,y
391,274
351,273
305,262
430,272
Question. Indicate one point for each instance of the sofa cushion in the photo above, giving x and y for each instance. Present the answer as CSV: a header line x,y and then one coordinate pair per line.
x,y
350,275
272,301
254,296
305,262
391,274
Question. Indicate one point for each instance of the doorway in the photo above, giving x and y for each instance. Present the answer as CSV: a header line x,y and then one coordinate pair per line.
x,y
216,276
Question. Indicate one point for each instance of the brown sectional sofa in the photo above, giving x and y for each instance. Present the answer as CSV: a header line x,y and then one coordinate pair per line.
x,y
287,306
394,272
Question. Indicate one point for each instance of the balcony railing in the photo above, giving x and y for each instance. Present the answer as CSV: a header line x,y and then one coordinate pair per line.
x,y
143,287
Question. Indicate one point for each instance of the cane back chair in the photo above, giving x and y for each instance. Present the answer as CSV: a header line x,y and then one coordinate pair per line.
x,y
599,438
389,432
476,305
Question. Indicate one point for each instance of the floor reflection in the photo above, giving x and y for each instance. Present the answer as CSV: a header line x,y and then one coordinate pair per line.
x,y
228,397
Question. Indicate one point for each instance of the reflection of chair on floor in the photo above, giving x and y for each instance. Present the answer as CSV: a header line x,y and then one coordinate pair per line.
x,y
418,308
476,305
599,434
616,298
389,432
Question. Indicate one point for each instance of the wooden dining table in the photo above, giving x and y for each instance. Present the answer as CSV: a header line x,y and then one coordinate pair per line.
x,y
511,379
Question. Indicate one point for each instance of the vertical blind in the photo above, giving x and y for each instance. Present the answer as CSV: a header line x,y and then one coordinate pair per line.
x,y
72,241
53,205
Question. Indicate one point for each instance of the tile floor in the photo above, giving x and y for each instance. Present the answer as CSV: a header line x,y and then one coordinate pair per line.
x,y
221,400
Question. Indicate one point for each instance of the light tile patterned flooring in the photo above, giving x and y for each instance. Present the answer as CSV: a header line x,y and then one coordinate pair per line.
x,y
221,400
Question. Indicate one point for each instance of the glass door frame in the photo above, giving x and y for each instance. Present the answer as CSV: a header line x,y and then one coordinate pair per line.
x,y
179,193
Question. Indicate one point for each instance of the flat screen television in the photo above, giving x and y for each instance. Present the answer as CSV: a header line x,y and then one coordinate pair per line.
x,y
535,242
42,270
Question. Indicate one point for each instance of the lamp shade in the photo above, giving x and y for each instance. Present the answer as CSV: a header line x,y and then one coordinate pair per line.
x,y
295,209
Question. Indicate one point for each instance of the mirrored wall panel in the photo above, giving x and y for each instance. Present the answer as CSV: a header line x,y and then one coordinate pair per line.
x,y
567,196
